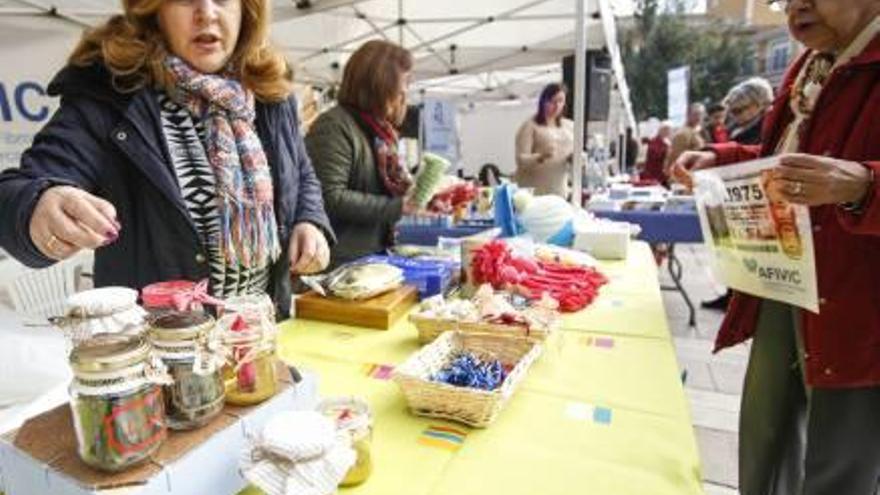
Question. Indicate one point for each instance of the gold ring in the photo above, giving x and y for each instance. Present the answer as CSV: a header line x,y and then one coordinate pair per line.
x,y
50,244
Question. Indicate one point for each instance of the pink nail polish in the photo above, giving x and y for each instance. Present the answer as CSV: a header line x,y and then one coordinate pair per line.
x,y
111,235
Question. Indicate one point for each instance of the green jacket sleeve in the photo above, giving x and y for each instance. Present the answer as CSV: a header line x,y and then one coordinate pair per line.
x,y
333,150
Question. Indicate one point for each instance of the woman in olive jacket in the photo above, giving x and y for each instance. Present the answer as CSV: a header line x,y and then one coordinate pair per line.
x,y
353,147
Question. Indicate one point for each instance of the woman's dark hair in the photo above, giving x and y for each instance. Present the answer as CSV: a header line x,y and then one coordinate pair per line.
x,y
716,107
485,170
547,94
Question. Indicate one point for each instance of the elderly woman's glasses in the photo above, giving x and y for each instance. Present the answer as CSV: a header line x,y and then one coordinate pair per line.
x,y
736,111
783,5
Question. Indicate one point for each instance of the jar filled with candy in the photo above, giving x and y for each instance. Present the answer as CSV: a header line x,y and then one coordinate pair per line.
x,y
353,417
116,400
194,361
248,335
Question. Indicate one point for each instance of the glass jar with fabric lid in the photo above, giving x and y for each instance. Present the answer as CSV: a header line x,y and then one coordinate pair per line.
x,y
354,419
248,333
104,310
116,400
186,344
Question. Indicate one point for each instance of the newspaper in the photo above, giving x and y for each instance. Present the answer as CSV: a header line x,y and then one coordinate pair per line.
x,y
760,246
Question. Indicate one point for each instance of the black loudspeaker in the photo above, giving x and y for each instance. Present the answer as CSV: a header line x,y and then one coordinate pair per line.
x,y
599,81
410,126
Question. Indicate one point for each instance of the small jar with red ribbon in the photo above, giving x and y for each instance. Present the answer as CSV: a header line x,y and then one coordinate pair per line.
x,y
177,295
248,334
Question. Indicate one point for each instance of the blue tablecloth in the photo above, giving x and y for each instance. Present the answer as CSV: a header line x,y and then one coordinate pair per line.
x,y
660,226
427,235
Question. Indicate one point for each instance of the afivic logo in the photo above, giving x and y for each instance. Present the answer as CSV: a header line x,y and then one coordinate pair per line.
x,y
23,101
789,276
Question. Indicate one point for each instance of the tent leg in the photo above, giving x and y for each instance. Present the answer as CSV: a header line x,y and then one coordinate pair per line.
x,y
580,54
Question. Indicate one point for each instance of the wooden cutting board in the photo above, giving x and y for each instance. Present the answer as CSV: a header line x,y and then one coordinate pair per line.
x,y
379,312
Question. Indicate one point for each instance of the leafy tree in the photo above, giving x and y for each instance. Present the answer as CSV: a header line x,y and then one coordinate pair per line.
x,y
661,40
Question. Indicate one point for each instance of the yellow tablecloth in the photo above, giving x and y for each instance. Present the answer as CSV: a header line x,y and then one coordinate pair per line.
x,y
630,304
601,412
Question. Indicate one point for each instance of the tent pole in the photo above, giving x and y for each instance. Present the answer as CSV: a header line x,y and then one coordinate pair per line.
x,y
429,48
330,49
400,20
375,27
580,55
55,12
494,18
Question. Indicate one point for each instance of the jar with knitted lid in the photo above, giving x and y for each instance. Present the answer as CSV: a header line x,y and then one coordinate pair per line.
x,y
186,344
103,310
248,333
116,400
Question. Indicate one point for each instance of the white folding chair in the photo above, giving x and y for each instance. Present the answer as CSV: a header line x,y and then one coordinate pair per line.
x,y
42,293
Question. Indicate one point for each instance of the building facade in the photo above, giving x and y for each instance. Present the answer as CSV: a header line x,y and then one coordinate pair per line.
x,y
746,12
764,27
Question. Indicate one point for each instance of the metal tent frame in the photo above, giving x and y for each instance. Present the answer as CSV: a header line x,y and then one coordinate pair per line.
x,y
488,50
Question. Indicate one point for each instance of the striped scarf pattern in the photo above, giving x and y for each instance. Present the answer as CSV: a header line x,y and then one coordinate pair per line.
x,y
248,228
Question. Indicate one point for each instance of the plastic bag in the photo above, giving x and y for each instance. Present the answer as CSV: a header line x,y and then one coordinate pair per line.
x,y
356,280
548,219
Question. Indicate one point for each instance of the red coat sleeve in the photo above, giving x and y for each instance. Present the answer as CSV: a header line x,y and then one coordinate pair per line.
x,y
866,221
732,152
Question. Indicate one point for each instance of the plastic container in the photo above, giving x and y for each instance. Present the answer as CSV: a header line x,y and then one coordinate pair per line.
x,y
603,240
429,276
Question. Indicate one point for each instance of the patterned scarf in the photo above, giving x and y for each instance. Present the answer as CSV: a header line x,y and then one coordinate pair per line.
x,y
395,176
249,233
810,82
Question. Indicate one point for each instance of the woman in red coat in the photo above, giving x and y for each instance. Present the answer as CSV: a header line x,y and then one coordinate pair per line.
x,y
810,416
658,147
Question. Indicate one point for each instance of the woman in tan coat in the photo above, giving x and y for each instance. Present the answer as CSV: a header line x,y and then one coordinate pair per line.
x,y
544,145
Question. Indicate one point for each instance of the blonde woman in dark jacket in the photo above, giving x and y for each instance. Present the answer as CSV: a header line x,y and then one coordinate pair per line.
x,y
178,156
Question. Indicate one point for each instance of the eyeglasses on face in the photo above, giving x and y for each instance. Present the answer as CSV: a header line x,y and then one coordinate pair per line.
x,y
738,110
784,5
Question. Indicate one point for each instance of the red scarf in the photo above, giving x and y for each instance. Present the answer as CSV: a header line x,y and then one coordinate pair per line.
x,y
395,176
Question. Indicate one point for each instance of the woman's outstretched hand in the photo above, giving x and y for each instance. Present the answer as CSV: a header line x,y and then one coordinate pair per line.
x,y
68,219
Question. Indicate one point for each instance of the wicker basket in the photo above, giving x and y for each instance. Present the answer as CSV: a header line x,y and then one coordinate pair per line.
x,y
470,406
430,328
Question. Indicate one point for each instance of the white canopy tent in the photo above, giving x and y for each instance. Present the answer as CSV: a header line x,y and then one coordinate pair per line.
x,y
466,50
475,50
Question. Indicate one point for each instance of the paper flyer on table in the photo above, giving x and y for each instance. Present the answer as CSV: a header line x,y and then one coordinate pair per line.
x,y
758,246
